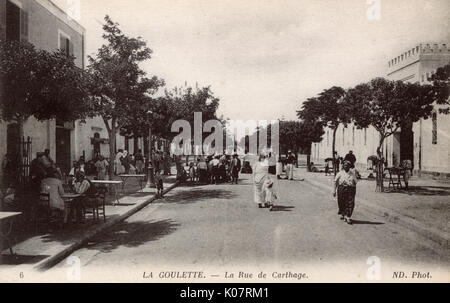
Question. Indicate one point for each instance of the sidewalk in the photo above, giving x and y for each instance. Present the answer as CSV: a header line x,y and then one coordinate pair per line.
x,y
425,208
45,250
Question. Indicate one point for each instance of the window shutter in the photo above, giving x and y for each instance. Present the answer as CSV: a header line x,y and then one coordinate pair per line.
x,y
62,43
70,48
23,25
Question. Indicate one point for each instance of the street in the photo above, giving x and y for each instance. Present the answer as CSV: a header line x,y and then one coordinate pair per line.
x,y
218,229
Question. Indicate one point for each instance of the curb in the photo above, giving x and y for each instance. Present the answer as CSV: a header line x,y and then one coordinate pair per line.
x,y
56,258
437,236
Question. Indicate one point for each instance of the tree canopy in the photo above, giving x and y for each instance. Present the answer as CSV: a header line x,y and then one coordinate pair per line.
x,y
46,85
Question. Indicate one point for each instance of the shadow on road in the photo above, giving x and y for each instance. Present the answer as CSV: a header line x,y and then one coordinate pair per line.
x,y
195,195
20,260
132,234
282,208
359,222
425,191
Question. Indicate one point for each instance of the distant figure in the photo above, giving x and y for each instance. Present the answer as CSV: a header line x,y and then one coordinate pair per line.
x,y
202,167
214,169
407,165
235,168
101,166
139,161
159,184
192,171
279,168
119,169
291,160
125,161
327,168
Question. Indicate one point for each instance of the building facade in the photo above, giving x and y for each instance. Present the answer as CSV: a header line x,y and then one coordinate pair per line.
x,y
45,25
426,143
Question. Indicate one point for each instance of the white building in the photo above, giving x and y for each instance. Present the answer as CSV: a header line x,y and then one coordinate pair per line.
x,y
426,142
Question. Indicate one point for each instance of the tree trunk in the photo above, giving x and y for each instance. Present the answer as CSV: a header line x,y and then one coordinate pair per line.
x,y
334,151
380,166
20,122
146,153
112,148
308,159
135,144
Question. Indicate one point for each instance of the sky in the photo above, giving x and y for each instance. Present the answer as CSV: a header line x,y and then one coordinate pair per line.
x,y
262,58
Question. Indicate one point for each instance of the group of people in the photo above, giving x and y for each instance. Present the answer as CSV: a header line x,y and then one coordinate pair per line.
x,y
53,186
125,163
215,169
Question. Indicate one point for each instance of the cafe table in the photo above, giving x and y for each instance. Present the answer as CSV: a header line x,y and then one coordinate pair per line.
x,y
109,182
8,217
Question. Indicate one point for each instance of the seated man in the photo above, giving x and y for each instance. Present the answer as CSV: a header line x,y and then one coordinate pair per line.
x,y
82,186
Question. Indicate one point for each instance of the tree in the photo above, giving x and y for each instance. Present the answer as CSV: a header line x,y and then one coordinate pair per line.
x,y
328,109
441,86
300,134
183,102
119,85
46,85
386,105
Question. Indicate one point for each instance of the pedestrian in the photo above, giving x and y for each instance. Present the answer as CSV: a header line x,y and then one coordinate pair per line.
x,y
159,184
260,173
118,167
269,193
214,169
139,159
408,167
202,170
235,168
345,190
279,168
167,164
125,161
291,161
192,171
101,166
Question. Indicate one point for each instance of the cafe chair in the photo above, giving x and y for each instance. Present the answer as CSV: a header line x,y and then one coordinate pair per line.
x,y
95,204
45,215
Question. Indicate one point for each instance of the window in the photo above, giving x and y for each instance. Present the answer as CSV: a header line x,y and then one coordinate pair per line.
x,y
434,132
65,44
16,23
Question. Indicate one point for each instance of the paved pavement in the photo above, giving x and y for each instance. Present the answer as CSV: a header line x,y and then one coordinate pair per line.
x,y
426,202
219,230
36,250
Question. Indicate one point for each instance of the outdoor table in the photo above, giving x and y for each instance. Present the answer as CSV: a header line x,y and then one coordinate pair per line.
x,y
399,173
140,178
8,217
108,182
